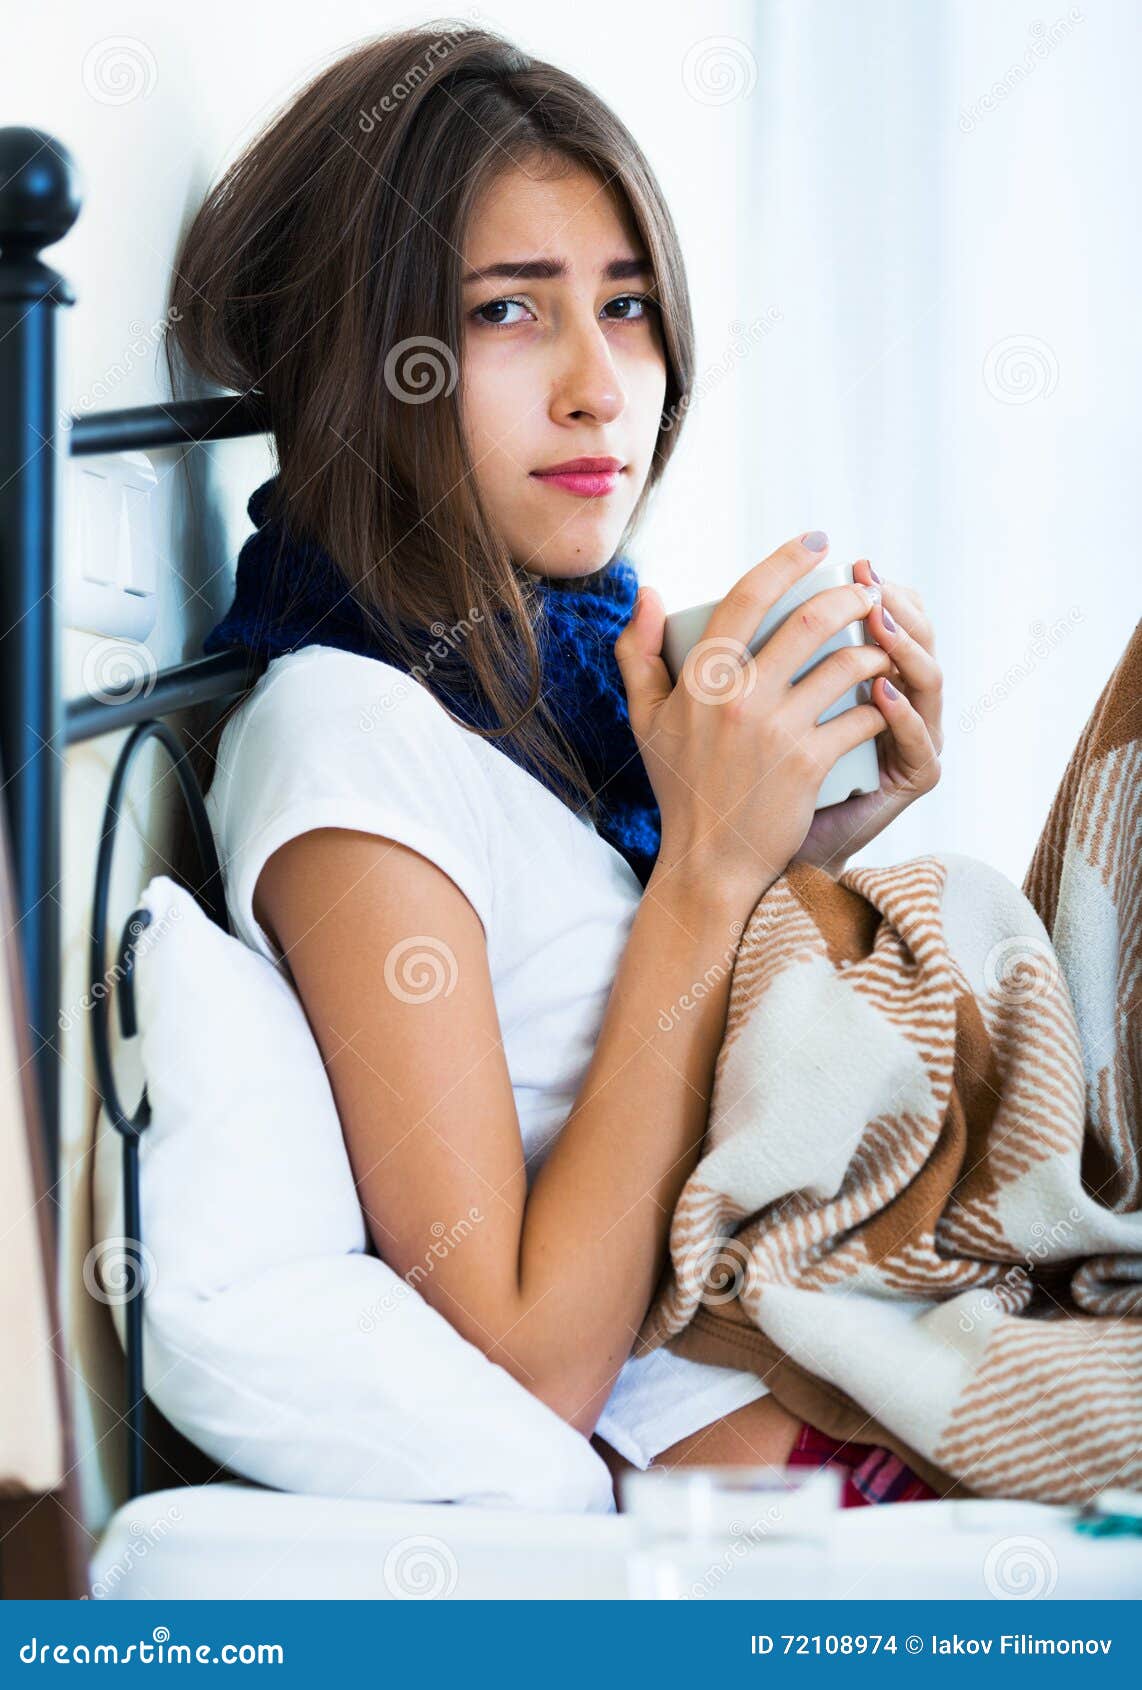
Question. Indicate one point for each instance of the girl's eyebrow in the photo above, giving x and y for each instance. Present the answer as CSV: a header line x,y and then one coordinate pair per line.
x,y
547,269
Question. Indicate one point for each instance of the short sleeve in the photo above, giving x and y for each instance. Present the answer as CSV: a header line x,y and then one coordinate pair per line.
x,y
329,738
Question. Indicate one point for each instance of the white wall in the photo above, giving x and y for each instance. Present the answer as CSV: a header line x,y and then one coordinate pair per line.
x,y
875,259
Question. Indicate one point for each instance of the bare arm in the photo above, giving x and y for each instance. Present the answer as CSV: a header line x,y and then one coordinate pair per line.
x,y
553,1284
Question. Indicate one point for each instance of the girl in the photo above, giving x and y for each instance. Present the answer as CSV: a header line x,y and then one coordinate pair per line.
x,y
464,808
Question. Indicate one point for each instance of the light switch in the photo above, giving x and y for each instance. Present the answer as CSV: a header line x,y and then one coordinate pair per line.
x,y
138,540
110,578
94,496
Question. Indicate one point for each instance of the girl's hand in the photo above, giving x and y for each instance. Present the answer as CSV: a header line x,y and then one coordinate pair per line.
x,y
909,753
735,751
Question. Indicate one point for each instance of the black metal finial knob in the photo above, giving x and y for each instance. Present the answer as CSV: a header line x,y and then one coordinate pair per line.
x,y
39,191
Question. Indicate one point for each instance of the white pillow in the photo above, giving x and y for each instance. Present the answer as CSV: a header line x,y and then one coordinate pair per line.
x,y
270,1339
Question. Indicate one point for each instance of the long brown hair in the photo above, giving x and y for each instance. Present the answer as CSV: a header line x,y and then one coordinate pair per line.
x,y
322,272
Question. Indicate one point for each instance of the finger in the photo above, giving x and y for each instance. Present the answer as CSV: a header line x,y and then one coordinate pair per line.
x,y
737,618
832,677
918,763
638,653
903,603
920,671
841,733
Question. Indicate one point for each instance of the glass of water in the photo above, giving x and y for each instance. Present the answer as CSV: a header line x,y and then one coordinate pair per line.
x,y
729,1532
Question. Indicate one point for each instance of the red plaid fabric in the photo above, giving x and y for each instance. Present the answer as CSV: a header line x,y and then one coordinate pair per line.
x,y
871,1474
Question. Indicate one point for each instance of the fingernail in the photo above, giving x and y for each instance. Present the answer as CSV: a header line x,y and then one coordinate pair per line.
x,y
872,571
815,540
889,690
887,620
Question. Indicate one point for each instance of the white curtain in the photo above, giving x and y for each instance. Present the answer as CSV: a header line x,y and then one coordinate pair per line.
x,y
941,232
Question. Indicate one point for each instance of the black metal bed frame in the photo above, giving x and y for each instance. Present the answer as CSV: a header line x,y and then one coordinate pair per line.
x,y
39,202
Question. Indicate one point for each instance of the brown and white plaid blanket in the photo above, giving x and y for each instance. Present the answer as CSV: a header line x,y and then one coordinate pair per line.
x,y
917,1213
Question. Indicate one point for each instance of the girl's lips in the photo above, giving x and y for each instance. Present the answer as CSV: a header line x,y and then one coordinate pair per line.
x,y
586,484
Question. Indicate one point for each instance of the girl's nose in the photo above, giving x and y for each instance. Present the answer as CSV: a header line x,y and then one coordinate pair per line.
x,y
588,383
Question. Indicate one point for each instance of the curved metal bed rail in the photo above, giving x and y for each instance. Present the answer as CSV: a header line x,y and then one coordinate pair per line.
x,y
39,202
131,1126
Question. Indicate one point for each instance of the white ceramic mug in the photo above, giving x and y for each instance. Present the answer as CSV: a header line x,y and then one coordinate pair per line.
x,y
855,771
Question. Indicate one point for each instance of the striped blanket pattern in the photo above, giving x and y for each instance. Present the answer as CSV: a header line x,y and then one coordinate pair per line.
x,y
917,1211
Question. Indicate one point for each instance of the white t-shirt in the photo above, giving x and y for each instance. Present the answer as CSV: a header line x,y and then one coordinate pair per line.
x,y
327,738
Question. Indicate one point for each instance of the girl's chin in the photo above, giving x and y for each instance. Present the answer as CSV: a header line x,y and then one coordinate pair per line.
x,y
568,569
569,557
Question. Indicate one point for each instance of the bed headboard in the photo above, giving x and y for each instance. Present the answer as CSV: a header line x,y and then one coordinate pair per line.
x,y
39,202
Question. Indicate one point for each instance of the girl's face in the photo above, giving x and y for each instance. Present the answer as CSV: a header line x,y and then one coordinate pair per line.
x,y
562,360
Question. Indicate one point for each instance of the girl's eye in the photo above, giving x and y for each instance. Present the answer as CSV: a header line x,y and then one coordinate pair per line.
x,y
498,306
642,304
629,308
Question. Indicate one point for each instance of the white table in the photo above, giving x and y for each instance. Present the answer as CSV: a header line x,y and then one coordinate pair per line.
x,y
240,1541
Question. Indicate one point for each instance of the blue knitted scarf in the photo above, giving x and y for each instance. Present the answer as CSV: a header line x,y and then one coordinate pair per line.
x,y
289,593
